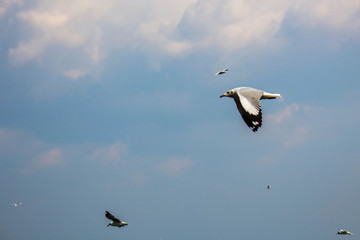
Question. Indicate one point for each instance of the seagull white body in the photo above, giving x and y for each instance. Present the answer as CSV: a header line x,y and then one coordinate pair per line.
x,y
222,71
344,232
115,221
248,103
17,204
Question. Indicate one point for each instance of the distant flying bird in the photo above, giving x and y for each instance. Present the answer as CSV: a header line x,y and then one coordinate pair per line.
x,y
16,204
222,71
268,187
115,221
248,103
344,232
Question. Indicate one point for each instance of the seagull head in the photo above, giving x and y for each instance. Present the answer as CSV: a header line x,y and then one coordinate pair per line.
x,y
229,93
125,223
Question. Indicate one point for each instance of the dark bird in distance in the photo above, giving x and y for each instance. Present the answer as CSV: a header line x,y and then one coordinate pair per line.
x,y
344,232
114,221
222,71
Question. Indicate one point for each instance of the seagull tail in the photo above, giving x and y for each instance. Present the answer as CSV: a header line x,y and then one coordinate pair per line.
x,y
267,95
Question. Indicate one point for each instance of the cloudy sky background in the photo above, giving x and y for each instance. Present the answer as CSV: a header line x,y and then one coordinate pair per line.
x,y
113,105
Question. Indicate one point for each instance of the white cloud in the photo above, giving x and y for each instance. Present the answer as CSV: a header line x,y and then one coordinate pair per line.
x,y
298,124
333,13
283,115
241,23
111,154
295,125
44,20
95,28
51,158
159,28
74,74
49,28
6,4
27,50
13,142
24,153
27,152
174,166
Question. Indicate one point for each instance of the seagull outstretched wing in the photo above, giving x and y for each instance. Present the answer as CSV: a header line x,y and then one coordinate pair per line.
x,y
248,104
111,217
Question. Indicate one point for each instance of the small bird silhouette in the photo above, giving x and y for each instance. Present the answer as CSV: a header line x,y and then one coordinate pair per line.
x,y
222,71
344,232
115,221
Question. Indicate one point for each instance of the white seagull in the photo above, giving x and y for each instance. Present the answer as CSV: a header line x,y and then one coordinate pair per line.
x,y
344,232
248,103
222,71
16,204
115,221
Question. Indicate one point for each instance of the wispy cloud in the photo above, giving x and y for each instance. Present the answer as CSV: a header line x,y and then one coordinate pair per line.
x,y
50,158
14,142
111,154
6,4
284,114
296,124
302,123
74,74
174,166
31,153
48,27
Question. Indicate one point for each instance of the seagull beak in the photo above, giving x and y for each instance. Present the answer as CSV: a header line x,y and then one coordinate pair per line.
x,y
223,96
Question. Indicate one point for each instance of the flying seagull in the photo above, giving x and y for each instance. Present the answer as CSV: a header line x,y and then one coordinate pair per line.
x,y
115,221
344,232
268,187
248,103
222,71
16,204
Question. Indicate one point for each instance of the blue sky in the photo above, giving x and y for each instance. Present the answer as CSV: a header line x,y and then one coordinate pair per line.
x,y
115,106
